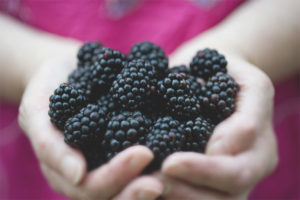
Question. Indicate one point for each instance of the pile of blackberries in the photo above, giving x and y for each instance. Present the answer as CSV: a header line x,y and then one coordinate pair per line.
x,y
112,101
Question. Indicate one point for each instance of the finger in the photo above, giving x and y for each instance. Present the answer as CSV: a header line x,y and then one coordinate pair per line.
x,y
51,149
109,179
228,174
177,190
145,187
60,185
254,105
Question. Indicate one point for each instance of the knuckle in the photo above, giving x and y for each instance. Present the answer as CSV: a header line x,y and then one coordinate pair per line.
x,y
242,178
248,127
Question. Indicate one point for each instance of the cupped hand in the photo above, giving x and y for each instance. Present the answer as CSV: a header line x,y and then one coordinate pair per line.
x,y
65,167
241,151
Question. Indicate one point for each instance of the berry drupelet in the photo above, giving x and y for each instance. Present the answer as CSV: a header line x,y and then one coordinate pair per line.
x,y
164,139
207,63
133,84
124,130
218,96
153,53
197,133
64,103
87,53
105,69
176,91
86,127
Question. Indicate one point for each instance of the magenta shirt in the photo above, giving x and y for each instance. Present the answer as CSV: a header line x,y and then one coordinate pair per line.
x,y
165,22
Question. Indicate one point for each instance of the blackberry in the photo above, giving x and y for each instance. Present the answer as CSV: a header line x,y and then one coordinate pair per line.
x,y
86,127
105,69
180,69
164,139
154,54
218,96
124,130
79,79
197,133
87,53
133,85
176,91
64,103
207,63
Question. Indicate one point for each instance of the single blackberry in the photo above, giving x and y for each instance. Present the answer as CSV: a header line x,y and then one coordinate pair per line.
x,y
79,79
176,91
207,63
133,85
105,69
86,127
197,133
64,103
124,130
164,139
218,96
87,53
154,54
180,69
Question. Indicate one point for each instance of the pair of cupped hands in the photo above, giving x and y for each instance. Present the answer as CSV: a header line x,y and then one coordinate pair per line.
x,y
241,151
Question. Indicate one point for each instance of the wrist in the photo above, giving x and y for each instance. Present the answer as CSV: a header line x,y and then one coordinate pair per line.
x,y
51,48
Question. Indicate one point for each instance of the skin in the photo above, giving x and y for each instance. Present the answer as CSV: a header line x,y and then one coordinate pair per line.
x,y
242,149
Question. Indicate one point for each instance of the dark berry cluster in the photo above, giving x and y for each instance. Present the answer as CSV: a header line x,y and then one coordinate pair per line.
x,y
111,102
133,85
64,103
153,53
218,96
207,63
87,53
176,90
124,130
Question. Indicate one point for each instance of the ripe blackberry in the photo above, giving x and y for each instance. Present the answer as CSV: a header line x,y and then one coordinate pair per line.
x,y
154,54
207,63
218,96
64,103
164,139
176,91
86,127
87,53
180,69
197,133
105,69
124,130
79,79
133,85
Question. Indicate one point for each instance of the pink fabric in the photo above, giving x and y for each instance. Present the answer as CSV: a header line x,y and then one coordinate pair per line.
x,y
165,22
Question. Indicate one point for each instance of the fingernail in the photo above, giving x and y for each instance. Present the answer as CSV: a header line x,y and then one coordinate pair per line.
x,y
149,194
216,148
136,161
71,169
172,167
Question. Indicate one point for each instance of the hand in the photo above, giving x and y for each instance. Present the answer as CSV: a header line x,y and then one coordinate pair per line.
x,y
241,151
65,167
